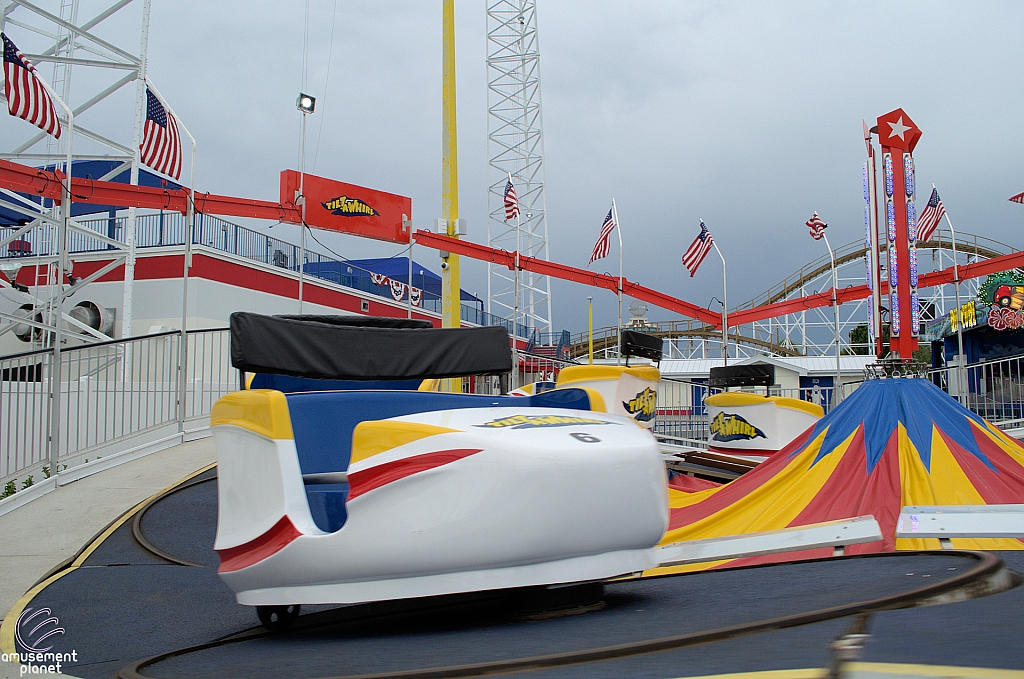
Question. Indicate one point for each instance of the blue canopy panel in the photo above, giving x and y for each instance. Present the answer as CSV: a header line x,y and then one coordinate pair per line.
x,y
395,268
90,169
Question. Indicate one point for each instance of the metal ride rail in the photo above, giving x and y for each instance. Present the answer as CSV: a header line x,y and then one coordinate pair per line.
x,y
116,397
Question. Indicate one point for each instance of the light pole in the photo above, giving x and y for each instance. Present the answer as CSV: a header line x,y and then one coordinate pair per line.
x,y
725,310
961,358
305,103
590,325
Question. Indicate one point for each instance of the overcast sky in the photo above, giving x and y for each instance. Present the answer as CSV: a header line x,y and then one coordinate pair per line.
x,y
747,115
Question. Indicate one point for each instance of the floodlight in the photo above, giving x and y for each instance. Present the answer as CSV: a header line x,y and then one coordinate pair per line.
x,y
10,269
305,103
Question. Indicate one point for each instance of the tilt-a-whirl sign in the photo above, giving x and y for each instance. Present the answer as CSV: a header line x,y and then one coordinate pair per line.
x,y
347,208
730,427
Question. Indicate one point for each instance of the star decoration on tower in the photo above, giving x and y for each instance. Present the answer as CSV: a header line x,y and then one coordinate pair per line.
x,y
898,129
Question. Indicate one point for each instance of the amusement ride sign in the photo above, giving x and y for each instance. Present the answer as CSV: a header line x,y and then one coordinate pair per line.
x,y
356,210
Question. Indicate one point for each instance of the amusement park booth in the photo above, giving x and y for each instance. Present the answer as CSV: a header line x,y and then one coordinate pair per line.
x,y
987,335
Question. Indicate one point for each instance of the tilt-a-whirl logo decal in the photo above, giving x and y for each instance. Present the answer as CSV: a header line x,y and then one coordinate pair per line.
x,y
733,428
535,421
642,406
343,206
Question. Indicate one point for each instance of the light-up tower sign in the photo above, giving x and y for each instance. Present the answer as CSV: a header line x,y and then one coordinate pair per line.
x,y
898,135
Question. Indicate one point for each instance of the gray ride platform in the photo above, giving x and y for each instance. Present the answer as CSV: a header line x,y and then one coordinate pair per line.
x,y
125,603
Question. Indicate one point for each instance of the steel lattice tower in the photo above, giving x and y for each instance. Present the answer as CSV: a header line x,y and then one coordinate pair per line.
x,y
516,146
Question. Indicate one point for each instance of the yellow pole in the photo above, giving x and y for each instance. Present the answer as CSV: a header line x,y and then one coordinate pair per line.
x,y
451,303
590,340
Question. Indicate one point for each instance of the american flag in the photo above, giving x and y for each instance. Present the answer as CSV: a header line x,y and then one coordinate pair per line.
x,y
928,222
698,250
511,201
816,226
603,244
161,145
27,98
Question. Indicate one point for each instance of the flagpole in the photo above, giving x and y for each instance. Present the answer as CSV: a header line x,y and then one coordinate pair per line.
x,y
515,300
61,251
62,231
725,308
961,359
837,387
190,218
618,230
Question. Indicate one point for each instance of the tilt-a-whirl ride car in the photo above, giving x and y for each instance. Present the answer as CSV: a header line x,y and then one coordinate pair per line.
x,y
342,479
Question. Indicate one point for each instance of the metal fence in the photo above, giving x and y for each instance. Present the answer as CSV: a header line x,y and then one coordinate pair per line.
x,y
110,396
992,389
531,368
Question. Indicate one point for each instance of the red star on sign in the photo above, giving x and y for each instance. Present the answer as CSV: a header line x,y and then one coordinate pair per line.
x,y
897,130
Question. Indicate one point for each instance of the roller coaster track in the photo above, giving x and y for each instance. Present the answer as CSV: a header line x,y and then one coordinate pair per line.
x,y
976,247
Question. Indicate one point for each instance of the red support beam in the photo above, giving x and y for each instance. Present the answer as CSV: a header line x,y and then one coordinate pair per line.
x,y
567,273
37,182
33,181
1013,260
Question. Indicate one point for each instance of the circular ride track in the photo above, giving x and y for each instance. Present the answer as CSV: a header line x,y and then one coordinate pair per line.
x,y
809,332
132,609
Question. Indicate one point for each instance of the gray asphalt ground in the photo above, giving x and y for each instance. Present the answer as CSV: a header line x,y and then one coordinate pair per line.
x,y
125,604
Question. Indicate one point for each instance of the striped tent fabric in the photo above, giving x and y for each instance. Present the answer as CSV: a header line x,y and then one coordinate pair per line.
x,y
27,97
892,443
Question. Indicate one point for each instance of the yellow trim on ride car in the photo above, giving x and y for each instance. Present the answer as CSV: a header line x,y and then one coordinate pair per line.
x,y
589,373
263,411
739,398
376,436
429,385
597,403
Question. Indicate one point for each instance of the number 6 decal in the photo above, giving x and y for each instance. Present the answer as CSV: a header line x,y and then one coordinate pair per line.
x,y
585,438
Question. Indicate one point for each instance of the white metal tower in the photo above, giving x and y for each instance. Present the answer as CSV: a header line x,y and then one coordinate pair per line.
x,y
516,146
66,38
